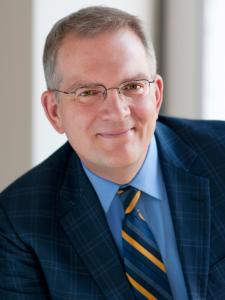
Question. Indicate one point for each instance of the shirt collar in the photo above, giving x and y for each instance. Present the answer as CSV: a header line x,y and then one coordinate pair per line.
x,y
102,187
147,179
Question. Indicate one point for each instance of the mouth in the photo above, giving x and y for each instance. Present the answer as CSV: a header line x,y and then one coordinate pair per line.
x,y
116,133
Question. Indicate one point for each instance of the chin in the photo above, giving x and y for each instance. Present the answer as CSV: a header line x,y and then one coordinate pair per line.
x,y
123,161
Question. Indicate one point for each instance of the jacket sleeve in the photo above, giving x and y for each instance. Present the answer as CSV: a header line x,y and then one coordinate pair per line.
x,y
20,275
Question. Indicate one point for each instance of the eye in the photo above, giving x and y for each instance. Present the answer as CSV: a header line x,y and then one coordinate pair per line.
x,y
133,89
88,92
133,86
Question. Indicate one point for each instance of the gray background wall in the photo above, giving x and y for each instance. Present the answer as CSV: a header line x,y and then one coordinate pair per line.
x,y
15,89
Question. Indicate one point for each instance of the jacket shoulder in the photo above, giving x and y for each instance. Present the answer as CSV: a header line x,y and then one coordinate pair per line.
x,y
196,131
43,178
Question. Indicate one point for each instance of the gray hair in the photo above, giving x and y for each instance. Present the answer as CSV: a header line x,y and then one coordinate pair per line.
x,y
88,22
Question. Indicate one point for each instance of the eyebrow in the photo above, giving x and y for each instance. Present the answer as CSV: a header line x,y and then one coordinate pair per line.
x,y
136,77
79,84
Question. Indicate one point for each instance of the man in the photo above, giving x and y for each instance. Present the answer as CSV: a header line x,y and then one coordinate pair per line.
x,y
60,224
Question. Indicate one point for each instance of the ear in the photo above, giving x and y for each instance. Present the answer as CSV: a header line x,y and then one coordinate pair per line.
x,y
52,110
158,92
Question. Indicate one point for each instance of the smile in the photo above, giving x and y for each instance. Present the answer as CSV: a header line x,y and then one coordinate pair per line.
x,y
117,133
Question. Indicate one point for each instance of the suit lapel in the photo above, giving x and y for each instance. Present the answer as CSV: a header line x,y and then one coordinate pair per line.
x,y
84,222
189,200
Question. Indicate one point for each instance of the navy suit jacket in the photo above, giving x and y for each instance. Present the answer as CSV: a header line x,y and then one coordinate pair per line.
x,y
55,242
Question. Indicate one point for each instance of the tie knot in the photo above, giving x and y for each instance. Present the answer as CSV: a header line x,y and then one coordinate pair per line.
x,y
129,197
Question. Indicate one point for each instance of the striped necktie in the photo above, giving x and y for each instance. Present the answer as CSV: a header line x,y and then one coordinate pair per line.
x,y
143,263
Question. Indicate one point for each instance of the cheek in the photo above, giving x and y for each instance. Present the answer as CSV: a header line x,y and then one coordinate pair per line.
x,y
147,113
77,125
146,116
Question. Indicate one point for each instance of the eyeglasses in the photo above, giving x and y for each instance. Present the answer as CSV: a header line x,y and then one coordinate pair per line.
x,y
93,94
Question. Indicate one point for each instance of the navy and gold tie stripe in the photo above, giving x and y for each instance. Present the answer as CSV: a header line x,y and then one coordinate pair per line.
x,y
143,263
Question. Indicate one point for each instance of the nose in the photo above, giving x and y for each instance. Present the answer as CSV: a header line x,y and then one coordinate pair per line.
x,y
115,106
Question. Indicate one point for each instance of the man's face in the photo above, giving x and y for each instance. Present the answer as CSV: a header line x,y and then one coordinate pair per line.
x,y
110,139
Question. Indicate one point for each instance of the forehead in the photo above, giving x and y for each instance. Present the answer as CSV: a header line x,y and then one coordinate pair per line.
x,y
110,54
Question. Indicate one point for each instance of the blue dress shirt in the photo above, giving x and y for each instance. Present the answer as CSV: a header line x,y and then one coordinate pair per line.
x,y
154,206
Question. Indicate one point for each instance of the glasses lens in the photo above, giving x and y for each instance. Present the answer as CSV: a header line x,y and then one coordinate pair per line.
x,y
90,94
136,88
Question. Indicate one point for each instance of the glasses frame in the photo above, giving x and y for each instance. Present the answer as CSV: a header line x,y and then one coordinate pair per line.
x,y
119,88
